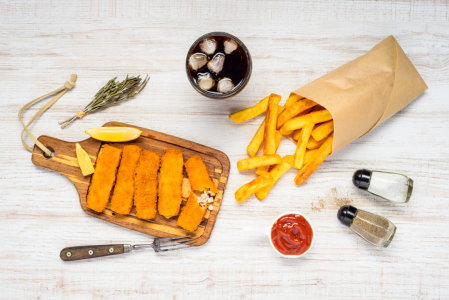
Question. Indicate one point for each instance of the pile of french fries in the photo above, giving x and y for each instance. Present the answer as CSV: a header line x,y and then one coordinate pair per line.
x,y
310,124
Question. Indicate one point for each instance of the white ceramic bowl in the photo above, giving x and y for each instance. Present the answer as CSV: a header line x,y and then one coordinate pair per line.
x,y
311,226
267,232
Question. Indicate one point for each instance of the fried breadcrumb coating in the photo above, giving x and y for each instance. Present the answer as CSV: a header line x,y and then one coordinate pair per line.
x,y
103,178
145,185
198,175
122,197
170,183
191,214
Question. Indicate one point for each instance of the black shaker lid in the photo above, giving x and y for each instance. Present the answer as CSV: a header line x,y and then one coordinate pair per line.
x,y
346,214
361,178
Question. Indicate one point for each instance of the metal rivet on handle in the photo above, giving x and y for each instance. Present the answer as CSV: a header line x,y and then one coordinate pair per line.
x,y
90,252
68,254
111,250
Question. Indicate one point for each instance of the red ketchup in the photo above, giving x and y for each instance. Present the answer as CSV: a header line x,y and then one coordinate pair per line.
x,y
292,234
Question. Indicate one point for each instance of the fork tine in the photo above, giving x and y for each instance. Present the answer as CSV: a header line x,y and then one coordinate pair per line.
x,y
176,247
189,240
181,243
163,250
173,238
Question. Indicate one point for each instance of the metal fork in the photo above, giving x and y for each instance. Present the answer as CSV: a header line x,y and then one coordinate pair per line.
x,y
158,245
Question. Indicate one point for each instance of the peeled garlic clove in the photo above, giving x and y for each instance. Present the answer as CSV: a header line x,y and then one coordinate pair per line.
x,y
186,188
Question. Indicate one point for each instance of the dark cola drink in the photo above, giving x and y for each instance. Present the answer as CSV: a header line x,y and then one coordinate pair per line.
x,y
219,66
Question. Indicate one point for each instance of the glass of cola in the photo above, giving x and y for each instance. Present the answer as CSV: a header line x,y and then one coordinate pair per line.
x,y
218,65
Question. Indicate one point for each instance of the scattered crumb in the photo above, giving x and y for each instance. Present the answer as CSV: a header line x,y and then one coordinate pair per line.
x,y
203,199
318,206
332,201
339,200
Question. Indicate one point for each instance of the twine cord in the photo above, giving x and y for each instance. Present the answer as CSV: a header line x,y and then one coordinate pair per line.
x,y
61,91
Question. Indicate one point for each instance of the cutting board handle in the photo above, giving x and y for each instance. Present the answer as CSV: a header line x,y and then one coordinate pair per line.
x,y
64,159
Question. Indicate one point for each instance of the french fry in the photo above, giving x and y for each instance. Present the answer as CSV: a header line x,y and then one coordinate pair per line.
x,y
280,109
277,171
318,107
294,110
264,169
257,140
309,155
258,161
324,151
302,145
278,140
292,99
252,187
313,144
300,122
269,137
297,134
250,112
305,112
323,130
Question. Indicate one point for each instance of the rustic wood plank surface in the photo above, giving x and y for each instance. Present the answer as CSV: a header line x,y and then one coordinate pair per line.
x,y
291,43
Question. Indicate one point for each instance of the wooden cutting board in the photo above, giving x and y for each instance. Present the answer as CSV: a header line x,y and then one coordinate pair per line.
x,y
65,162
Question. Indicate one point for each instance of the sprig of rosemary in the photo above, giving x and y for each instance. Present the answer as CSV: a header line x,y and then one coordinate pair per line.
x,y
113,93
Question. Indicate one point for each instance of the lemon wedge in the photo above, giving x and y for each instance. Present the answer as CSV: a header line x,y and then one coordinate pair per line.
x,y
84,161
114,134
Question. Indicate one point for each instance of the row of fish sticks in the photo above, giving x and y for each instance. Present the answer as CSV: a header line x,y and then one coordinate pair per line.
x,y
129,177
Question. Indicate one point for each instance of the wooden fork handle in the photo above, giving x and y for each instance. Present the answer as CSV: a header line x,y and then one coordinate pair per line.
x,y
85,252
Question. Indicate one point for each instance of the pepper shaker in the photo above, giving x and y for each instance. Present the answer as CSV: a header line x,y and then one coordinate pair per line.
x,y
374,229
393,187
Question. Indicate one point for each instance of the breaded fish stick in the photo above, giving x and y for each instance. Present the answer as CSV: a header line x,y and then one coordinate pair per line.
x,y
198,175
122,197
191,214
145,185
170,196
103,178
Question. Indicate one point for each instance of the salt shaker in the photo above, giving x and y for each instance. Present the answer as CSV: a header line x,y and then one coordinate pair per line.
x,y
374,229
393,187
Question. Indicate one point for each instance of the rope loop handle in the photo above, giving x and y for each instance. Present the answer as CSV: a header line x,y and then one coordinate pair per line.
x,y
61,91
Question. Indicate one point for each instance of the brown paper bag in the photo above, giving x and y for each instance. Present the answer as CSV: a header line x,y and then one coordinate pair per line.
x,y
363,93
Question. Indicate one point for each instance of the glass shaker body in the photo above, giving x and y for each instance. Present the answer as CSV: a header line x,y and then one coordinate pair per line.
x,y
374,229
393,187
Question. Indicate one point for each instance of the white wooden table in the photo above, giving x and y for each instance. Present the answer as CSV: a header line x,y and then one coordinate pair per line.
x,y
292,43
